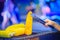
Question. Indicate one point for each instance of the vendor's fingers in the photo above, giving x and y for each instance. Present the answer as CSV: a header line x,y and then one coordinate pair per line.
x,y
46,24
46,20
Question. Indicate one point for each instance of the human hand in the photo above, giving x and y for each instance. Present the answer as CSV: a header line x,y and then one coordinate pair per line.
x,y
49,22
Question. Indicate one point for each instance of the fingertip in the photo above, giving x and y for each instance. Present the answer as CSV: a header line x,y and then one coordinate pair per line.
x,y
46,20
46,24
